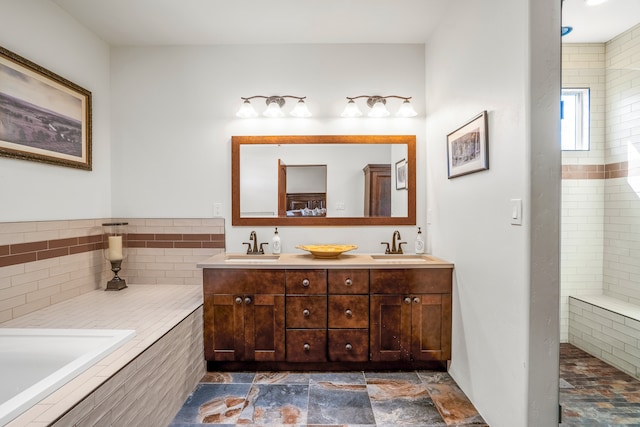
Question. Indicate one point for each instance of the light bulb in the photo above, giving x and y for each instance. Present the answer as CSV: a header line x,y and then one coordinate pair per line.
x,y
273,110
406,110
246,110
351,110
300,110
378,110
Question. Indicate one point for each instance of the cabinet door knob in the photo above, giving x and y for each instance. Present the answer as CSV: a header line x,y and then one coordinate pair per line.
x,y
306,347
348,347
306,312
305,283
247,300
416,300
238,300
348,282
407,300
348,313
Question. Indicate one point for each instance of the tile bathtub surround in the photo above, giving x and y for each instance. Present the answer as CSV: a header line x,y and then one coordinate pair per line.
x,y
328,399
45,262
162,363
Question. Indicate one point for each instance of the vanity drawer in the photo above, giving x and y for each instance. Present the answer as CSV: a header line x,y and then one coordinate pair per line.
x,y
348,281
417,280
348,311
306,282
349,345
306,345
306,311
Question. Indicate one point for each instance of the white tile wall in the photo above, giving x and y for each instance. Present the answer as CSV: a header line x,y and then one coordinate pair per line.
x,y
582,207
622,195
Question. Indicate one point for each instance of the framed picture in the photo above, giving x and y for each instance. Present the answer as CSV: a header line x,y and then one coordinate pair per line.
x,y
43,117
468,147
401,175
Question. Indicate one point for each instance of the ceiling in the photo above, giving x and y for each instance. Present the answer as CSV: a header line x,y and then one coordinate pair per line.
x,y
200,22
601,23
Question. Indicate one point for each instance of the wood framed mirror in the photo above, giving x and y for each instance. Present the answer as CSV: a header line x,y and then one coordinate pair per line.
x,y
359,187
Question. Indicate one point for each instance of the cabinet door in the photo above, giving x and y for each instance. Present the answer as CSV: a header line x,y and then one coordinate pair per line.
x,y
431,327
223,327
390,328
264,328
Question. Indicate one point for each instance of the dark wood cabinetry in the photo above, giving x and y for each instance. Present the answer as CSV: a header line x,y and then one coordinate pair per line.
x,y
244,315
411,315
327,318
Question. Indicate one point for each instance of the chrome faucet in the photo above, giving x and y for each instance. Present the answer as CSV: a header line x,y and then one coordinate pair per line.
x,y
394,240
254,250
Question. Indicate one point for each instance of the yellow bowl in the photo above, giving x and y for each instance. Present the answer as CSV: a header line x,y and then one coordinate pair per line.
x,y
327,251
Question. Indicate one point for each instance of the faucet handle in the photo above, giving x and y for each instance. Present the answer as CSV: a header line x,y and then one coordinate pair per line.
x,y
261,247
387,250
248,246
400,247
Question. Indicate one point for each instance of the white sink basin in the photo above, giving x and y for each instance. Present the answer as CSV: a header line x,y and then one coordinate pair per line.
x,y
251,258
402,258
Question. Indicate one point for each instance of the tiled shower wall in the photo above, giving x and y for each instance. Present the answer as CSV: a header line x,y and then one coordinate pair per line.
x,y
583,185
622,194
600,243
45,262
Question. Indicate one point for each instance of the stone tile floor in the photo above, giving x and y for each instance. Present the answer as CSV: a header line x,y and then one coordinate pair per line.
x,y
593,393
363,399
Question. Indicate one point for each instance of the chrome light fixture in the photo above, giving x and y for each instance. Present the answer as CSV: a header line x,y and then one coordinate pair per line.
x,y
274,107
378,106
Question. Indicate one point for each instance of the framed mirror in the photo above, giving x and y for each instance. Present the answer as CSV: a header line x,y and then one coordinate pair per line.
x,y
323,180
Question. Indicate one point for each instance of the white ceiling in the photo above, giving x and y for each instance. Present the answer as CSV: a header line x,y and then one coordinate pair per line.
x,y
180,22
171,22
599,23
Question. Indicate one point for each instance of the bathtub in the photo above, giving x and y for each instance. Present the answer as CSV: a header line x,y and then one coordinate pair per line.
x,y
36,362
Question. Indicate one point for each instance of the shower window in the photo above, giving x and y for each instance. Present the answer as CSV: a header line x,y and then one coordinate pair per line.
x,y
574,115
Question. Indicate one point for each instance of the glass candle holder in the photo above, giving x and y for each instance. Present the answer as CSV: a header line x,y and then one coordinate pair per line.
x,y
115,251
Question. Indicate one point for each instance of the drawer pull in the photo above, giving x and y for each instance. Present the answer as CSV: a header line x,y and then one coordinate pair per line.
x,y
348,347
238,300
306,347
306,312
407,300
416,300
348,282
348,313
247,300
305,283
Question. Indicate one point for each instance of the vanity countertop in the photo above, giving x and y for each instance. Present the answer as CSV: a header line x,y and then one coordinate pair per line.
x,y
308,261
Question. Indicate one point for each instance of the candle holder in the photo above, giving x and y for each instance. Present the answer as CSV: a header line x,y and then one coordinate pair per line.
x,y
115,250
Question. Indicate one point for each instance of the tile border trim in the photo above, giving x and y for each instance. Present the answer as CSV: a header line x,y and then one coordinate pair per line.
x,y
608,171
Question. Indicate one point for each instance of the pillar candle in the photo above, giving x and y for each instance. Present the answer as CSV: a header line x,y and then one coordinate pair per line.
x,y
115,248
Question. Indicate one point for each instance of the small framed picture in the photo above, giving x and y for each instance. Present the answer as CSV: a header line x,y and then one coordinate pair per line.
x,y
468,147
401,175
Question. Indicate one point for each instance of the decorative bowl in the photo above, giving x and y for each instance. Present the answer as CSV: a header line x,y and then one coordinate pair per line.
x,y
327,251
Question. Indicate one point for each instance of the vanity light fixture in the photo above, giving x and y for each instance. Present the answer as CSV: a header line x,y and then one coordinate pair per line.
x,y
378,106
274,107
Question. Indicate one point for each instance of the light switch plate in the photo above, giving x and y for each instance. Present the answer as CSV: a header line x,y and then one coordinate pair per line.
x,y
515,206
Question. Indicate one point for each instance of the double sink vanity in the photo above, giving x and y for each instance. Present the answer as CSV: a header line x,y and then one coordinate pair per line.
x,y
356,311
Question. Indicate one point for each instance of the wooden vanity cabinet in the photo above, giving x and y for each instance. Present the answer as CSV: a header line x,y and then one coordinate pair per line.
x,y
348,316
244,315
306,308
410,315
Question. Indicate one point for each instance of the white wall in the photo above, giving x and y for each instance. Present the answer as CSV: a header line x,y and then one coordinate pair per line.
x,y
505,326
173,112
43,33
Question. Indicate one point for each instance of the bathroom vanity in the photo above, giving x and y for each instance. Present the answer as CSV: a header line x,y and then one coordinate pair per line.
x,y
294,311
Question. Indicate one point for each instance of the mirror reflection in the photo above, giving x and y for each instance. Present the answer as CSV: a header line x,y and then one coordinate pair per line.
x,y
323,180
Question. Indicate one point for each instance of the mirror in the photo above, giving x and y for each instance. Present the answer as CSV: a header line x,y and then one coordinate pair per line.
x,y
356,180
